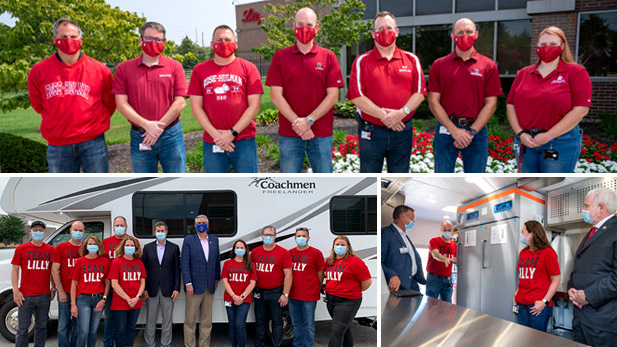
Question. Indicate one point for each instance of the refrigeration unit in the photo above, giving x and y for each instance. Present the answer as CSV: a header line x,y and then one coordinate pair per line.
x,y
488,247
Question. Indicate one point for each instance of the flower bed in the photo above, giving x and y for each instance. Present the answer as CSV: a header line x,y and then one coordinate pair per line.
x,y
595,156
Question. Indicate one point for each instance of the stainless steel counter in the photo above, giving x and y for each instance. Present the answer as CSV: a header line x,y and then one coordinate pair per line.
x,y
424,321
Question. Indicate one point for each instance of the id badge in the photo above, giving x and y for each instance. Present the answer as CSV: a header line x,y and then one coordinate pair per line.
x,y
143,147
404,250
257,296
365,135
551,154
443,130
227,303
217,149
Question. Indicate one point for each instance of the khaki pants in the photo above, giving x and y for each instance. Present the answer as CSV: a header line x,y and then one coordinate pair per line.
x,y
202,304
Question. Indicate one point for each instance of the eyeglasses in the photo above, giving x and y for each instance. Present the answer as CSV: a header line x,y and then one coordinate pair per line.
x,y
384,28
155,39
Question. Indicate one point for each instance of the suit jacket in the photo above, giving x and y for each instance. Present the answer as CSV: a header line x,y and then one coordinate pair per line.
x,y
595,271
195,268
166,275
395,263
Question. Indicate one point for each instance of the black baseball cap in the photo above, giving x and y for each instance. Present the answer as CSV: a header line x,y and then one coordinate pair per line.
x,y
38,222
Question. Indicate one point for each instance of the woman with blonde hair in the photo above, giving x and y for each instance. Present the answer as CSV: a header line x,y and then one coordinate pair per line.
x,y
347,276
546,103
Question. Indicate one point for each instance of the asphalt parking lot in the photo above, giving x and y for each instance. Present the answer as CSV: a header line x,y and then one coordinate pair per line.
x,y
363,336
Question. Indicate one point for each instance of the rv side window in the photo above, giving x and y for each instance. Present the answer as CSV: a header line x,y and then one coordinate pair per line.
x,y
353,215
95,228
179,209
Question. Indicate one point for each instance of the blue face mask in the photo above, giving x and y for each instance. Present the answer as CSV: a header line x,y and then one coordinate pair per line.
x,y
586,214
77,235
409,225
268,240
201,228
523,239
340,250
120,231
239,252
129,250
38,235
92,248
301,241
160,236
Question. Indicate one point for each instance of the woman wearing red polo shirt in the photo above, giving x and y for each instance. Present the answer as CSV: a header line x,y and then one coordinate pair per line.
x,y
538,278
239,278
128,279
546,102
347,276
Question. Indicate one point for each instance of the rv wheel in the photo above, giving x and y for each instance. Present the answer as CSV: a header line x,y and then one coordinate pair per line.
x,y
288,333
8,322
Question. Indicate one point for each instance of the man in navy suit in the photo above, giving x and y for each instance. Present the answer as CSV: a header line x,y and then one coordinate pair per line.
x,y
162,262
201,271
400,261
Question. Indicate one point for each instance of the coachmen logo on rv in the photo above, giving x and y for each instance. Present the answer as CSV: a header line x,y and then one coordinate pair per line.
x,y
271,186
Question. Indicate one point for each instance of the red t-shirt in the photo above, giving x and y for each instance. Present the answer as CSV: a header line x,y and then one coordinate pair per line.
x,y
534,274
435,266
150,89
388,84
65,255
75,101
269,266
225,90
238,278
305,79
129,274
35,268
463,85
540,103
344,276
91,274
306,264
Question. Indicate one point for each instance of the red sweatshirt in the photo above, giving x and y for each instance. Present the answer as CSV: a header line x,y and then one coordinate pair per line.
x,y
74,100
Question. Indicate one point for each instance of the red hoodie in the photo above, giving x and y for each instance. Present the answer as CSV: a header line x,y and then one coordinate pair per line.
x,y
74,100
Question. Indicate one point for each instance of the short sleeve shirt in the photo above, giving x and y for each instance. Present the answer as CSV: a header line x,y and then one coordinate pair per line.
x,y
269,266
65,255
534,274
35,266
129,274
447,249
91,274
306,264
225,90
305,79
110,244
343,277
238,277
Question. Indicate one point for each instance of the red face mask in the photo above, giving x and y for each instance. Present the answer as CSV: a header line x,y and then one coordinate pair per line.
x,y
305,34
223,48
548,53
68,45
385,37
465,42
153,48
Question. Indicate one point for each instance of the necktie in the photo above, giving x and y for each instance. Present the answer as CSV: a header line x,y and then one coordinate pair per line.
x,y
593,230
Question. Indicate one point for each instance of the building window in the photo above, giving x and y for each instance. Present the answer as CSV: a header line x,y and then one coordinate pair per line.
x,y
353,215
432,43
486,38
512,4
353,51
513,45
597,47
370,9
475,5
398,8
404,40
179,209
424,7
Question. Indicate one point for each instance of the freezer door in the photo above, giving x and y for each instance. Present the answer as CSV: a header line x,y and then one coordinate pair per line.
x,y
469,275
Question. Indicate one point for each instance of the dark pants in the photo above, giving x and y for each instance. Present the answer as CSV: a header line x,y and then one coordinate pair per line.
x,y
377,143
39,306
125,322
342,311
592,336
268,308
108,327
539,322
236,316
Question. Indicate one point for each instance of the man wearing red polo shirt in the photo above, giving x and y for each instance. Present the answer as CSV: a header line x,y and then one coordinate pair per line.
x,y
72,92
150,92
464,86
387,85
225,95
305,81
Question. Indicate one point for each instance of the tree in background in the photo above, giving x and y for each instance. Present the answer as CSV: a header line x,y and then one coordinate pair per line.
x,y
110,36
12,229
338,26
192,54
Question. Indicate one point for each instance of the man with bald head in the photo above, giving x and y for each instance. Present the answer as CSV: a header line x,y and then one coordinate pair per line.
x,y
304,82
442,254
463,90
62,262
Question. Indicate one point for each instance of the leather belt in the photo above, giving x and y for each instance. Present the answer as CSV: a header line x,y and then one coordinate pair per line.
x,y
462,121
140,129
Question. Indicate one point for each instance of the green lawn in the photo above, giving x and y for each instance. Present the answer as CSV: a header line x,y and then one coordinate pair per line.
x,y
26,123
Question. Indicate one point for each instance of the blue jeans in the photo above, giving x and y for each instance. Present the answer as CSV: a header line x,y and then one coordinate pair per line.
x,y
87,319
243,159
539,322
303,321
437,286
108,327
236,316
39,306
292,152
168,149
474,156
567,145
64,317
377,143
125,323
89,156
267,308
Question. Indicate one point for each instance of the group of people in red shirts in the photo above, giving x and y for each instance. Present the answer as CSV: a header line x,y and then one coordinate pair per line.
x,y
91,277
76,96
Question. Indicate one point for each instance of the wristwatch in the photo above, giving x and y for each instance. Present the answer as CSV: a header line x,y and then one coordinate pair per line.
x,y
234,132
104,298
518,136
545,302
406,110
242,296
286,295
310,121
472,132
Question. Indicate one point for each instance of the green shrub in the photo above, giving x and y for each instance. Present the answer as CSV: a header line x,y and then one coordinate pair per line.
x,y
418,124
609,124
423,111
268,116
339,137
497,129
18,154
195,159
344,108
500,115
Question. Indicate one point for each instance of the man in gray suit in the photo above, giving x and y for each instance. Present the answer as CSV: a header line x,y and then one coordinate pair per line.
x,y
593,284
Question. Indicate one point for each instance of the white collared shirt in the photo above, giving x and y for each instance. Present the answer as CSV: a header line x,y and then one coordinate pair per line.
x,y
160,251
403,233
205,246
600,223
